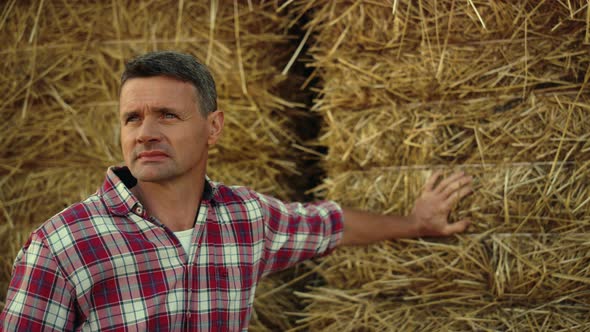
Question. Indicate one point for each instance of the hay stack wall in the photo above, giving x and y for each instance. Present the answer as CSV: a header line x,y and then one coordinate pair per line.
x,y
498,89
59,91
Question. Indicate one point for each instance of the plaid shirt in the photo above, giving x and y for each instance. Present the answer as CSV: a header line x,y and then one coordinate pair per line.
x,y
105,265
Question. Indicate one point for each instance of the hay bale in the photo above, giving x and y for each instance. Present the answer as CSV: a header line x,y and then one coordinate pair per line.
x,y
540,128
276,303
61,66
69,72
525,197
424,270
335,310
540,268
429,84
515,268
498,89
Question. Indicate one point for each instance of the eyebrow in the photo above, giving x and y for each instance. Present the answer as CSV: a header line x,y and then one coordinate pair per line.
x,y
159,110
165,109
127,114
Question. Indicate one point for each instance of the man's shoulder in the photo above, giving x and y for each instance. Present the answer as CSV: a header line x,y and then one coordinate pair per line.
x,y
234,194
77,220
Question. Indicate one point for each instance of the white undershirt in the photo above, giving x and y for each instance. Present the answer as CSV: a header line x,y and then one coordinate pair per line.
x,y
185,238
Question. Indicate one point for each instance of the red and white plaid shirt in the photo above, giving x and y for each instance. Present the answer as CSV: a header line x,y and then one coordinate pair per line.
x,y
105,265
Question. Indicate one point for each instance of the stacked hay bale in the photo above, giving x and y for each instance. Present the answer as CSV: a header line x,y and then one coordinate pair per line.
x,y
497,89
59,92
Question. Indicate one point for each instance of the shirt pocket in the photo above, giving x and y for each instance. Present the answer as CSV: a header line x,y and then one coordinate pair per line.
x,y
234,297
238,284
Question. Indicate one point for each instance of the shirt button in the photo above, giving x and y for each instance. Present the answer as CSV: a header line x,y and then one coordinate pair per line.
x,y
188,315
139,210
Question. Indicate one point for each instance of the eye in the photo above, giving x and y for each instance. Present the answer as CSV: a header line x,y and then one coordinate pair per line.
x,y
169,115
131,118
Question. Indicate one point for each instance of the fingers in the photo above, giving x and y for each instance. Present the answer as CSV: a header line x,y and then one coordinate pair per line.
x,y
442,186
457,195
438,200
429,185
458,183
457,227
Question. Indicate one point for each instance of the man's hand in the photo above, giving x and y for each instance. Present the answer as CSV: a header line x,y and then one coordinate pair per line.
x,y
431,210
428,218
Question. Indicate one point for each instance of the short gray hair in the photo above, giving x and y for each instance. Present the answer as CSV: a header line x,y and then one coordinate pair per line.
x,y
181,66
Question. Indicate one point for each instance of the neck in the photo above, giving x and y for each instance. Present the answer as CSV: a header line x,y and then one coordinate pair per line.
x,y
175,204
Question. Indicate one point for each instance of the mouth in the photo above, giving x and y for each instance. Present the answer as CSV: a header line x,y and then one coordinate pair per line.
x,y
153,155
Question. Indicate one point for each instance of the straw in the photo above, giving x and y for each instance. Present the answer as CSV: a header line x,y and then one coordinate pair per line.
x,y
496,89
61,66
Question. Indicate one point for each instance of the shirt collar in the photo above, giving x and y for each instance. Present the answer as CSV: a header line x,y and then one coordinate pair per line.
x,y
120,200
210,190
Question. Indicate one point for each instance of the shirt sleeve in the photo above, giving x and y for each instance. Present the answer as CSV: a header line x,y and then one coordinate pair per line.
x,y
38,298
294,232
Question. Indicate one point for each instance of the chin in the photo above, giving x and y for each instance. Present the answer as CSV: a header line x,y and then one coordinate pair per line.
x,y
152,175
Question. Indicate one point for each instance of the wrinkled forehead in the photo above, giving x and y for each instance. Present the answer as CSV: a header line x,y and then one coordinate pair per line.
x,y
157,91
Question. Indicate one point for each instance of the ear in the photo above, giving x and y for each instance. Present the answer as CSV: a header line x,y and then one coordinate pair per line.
x,y
215,123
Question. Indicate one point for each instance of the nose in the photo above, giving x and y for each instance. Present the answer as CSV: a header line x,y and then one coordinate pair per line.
x,y
148,131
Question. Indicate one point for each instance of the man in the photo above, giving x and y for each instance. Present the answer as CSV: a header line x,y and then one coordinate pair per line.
x,y
162,247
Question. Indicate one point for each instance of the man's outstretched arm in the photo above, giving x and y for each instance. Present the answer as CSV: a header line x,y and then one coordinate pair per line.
x,y
429,217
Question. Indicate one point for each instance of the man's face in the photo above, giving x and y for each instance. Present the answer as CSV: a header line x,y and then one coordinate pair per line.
x,y
164,137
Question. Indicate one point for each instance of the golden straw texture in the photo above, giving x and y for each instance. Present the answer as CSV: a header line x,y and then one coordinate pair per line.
x,y
498,89
59,92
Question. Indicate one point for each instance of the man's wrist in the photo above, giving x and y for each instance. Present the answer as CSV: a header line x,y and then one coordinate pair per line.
x,y
404,227
417,229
